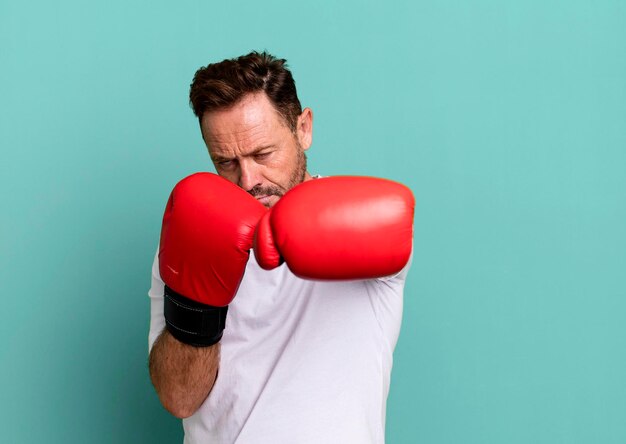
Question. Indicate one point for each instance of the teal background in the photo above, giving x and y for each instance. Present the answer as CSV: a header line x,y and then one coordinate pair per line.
x,y
507,119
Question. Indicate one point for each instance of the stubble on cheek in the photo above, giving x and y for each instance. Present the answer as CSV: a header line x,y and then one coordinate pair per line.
x,y
299,172
297,177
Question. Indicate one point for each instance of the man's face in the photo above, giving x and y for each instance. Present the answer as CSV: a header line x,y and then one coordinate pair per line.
x,y
251,146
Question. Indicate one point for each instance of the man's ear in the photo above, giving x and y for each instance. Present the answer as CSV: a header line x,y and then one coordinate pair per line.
x,y
304,128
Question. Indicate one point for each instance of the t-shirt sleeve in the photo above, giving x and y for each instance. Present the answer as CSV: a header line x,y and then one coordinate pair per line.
x,y
157,288
386,296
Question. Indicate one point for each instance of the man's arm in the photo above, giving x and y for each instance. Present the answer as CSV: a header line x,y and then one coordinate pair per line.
x,y
205,242
183,375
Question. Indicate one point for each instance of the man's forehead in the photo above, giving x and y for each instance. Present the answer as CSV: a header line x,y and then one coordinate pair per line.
x,y
237,131
250,123
248,141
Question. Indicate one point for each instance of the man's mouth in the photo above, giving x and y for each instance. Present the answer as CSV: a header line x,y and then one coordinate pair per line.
x,y
266,196
263,199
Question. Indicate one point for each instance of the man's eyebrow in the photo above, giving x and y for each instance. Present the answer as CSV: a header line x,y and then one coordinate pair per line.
x,y
218,158
261,148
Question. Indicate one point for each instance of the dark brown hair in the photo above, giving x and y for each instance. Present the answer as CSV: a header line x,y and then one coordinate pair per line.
x,y
220,85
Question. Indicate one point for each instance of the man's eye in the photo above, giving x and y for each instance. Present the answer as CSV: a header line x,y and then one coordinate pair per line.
x,y
261,156
225,163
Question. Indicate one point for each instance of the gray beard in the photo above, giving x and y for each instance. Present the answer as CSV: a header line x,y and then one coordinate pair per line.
x,y
300,170
296,177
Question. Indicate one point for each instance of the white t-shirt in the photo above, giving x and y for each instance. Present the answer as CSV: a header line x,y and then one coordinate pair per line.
x,y
301,361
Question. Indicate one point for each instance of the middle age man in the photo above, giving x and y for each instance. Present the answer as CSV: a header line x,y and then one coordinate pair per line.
x,y
303,360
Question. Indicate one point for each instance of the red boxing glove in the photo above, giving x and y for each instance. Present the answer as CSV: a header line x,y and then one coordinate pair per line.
x,y
207,233
339,228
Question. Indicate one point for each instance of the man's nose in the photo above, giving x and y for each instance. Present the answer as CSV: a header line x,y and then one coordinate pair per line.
x,y
249,176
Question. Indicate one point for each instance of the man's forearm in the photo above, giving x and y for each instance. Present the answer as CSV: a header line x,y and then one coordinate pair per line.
x,y
183,375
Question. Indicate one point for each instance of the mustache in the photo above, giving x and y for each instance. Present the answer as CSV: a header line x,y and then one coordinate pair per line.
x,y
259,190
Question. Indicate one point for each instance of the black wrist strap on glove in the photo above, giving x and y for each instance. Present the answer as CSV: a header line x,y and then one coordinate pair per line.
x,y
191,322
